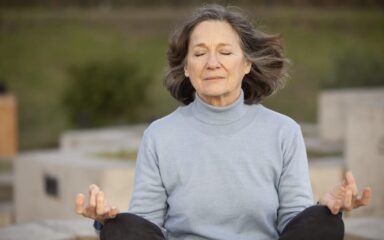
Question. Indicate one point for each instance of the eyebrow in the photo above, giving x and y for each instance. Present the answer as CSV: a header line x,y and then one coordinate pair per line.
x,y
204,45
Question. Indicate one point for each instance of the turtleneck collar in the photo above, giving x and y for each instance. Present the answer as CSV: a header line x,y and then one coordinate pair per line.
x,y
219,115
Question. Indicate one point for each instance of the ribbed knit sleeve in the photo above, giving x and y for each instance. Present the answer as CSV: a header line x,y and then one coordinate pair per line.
x,y
149,195
294,189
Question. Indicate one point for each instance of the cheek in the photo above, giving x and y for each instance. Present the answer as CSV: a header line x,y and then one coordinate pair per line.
x,y
236,69
192,67
243,68
232,63
237,73
195,84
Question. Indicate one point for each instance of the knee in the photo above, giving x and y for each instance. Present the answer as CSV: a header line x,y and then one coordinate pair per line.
x,y
130,226
315,222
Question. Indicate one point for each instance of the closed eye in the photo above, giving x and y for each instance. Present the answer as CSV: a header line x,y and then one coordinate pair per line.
x,y
198,54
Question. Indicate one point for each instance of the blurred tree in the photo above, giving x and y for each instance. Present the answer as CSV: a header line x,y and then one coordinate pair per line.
x,y
105,93
357,68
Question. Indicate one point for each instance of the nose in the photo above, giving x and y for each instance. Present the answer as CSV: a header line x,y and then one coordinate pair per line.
x,y
213,62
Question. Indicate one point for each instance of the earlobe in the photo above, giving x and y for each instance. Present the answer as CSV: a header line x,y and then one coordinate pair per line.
x,y
248,67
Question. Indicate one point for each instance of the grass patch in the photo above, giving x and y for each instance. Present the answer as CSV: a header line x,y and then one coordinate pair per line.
x,y
120,155
314,154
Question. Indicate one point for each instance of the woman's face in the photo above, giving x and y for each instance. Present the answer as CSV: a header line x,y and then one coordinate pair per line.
x,y
215,62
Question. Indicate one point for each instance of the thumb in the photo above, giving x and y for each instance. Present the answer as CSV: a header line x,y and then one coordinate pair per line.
x,y
336,206
113,212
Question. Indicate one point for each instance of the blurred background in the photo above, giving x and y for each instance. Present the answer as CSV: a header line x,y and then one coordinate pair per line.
x,y
90,64
83,64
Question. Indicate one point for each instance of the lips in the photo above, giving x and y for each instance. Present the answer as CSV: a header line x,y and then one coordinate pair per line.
x,y
213,78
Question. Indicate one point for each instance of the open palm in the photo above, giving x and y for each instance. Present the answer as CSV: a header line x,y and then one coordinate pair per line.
x,y
97,207
344,196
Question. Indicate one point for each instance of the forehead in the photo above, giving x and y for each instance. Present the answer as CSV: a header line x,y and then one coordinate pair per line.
x,y
213,31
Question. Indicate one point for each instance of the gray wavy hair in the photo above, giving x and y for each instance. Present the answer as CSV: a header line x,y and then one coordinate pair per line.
x,y
265,52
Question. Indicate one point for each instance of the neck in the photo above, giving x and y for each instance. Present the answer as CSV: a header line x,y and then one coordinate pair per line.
x,y
219,115
222,100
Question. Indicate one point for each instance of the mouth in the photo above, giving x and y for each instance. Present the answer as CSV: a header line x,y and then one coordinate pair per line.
x,y
213,78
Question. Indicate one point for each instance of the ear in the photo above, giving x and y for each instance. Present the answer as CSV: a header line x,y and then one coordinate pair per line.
x,y
248,66
186,73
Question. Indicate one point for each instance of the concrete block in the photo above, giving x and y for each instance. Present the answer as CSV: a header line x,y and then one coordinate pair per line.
x,y
325,173
103,140
334,108
46,183
365,153
8,126
320,146
317,145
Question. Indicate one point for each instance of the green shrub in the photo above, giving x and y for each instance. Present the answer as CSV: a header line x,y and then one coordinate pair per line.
x,y
357,68
105,93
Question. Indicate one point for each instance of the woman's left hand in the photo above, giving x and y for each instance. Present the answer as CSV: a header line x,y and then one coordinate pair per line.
x,y
344,196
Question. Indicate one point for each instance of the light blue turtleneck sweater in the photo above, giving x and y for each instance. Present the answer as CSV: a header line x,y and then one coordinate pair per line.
x,y
228,173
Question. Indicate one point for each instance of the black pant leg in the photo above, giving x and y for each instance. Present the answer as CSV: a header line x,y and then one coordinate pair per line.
x,y
314,223
127,226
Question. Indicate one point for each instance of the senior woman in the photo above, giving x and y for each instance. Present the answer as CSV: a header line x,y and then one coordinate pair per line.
x,y
223,166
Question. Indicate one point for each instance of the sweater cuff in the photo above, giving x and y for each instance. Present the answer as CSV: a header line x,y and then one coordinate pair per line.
x,y
97,225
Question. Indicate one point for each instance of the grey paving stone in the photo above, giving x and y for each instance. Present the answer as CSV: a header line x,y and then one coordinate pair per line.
x,y
363,228
33,231
73,229
81,228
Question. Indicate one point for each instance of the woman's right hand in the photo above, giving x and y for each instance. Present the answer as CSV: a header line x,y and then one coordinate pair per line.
x,y
97,207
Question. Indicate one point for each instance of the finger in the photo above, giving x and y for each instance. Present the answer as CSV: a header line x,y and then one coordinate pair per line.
x,y
339,191
93,186
100,207
93,190
80,203
348,199
107,208
351,182
113,212
366,197
334,206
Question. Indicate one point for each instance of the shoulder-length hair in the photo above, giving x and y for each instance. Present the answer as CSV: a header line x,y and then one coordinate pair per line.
x,y
263,50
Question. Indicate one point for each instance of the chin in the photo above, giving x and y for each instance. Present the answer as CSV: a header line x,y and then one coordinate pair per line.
x,y
216,92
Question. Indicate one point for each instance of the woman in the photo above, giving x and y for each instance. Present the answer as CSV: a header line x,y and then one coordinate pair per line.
x,y
223,166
